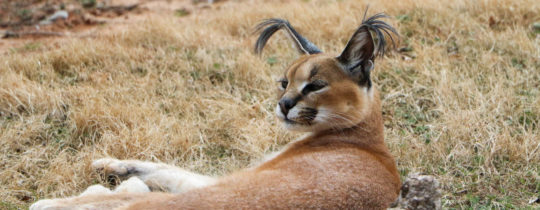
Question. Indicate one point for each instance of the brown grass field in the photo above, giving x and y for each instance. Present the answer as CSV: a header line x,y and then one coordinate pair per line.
x,y
461,99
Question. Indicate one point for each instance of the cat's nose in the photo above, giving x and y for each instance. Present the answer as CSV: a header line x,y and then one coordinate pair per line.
x,y
286,104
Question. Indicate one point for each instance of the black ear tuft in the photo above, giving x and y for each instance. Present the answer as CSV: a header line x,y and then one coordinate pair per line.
x,y
270,26
361,50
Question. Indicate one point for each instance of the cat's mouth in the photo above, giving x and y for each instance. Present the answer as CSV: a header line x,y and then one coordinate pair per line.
x,y
300,116
288,121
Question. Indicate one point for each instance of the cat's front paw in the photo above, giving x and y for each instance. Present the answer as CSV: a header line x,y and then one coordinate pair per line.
x,y
111,166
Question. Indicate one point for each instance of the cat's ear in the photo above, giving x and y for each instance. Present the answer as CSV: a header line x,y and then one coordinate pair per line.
x,y
270,26
358,57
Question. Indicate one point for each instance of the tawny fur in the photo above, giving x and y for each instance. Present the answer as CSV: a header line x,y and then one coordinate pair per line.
x,y
342,164
341,169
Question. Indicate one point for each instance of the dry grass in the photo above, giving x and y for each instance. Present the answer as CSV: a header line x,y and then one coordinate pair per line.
x,y
188,91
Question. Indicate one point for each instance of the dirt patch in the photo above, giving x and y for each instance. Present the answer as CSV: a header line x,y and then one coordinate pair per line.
x,y
53,18
24,22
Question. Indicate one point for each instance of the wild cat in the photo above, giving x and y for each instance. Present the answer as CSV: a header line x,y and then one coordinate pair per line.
x,y
342,163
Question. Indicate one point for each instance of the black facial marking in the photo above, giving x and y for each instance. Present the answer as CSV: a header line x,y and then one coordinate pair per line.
x,y
308,115
314,86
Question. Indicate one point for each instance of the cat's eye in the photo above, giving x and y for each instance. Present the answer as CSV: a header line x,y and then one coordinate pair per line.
x,y
314,86
284,83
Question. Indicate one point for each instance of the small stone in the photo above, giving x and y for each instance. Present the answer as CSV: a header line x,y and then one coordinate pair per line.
x,y
406,58
61,14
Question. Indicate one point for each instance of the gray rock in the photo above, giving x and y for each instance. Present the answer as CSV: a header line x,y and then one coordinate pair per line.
x,y
60,14
419,192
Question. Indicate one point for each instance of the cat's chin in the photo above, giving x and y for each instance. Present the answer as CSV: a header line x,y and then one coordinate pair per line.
x,y
314,126
300,127
295,126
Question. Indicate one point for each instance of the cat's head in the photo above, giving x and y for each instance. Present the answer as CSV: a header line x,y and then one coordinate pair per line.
x,y
320,91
